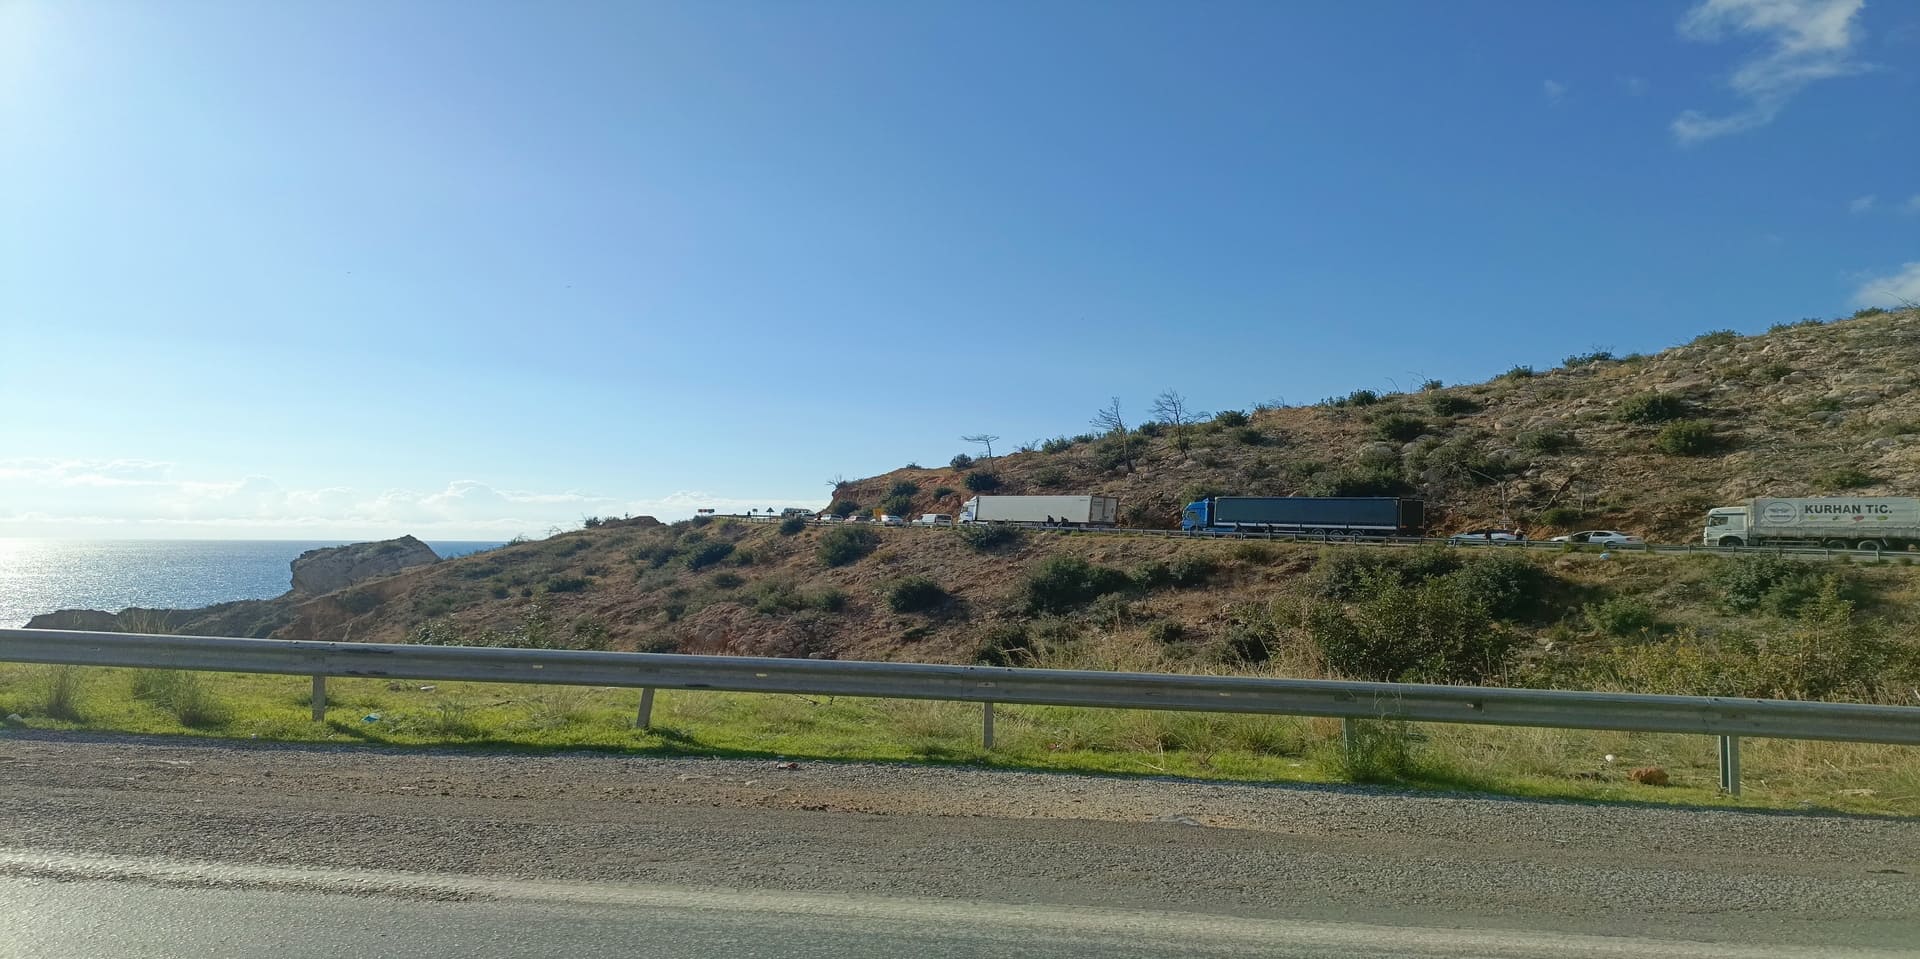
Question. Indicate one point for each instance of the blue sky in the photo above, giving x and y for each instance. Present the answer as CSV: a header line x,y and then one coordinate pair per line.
x,y
475,269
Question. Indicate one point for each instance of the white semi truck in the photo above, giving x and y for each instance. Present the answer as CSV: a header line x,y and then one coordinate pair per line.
x,y
1068,510
1835,522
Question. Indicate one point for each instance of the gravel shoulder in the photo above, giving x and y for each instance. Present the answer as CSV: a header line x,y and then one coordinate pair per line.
x,y
1227,849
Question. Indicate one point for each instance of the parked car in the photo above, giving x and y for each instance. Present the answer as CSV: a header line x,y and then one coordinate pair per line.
x,y
826,518
934,519
1486,536
859,518
891,520
1605,537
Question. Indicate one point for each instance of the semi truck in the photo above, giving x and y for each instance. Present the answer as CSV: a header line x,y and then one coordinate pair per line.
x,y
1835,522
1311,515
1068,510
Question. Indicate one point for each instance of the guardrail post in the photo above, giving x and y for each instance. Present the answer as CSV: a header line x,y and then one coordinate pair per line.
x,y
1730,765
1349,736
986,724
319,699
644,719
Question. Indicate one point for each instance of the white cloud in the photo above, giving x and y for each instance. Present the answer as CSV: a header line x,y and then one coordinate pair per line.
x,y
1913,204
1635,86
1897,289
1555,92
1807,40
1862,204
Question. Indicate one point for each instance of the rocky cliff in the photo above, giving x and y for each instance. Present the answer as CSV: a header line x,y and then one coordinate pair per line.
x,y
318,571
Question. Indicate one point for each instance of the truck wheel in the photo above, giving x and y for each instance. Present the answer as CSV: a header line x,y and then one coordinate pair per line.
x,y
1871,545
1835,544
1733,541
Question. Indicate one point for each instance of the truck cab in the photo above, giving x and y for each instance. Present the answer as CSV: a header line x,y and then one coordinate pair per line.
x,y
1727,526
1194,516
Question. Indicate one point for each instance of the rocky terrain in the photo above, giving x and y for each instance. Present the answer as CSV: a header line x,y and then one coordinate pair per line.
x,y
1807,408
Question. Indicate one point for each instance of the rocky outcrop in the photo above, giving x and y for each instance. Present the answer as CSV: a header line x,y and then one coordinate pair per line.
x,y
319,571
89,619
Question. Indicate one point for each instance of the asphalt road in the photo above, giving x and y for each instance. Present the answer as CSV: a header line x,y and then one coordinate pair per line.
x,y
151,909
174,846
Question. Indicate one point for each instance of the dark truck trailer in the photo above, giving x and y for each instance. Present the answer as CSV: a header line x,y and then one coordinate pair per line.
x,y
1314,515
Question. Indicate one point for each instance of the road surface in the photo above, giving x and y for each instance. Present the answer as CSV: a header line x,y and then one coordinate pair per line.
x,y
241,849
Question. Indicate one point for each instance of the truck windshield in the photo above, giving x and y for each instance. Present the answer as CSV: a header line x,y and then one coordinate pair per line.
x,y
1716,521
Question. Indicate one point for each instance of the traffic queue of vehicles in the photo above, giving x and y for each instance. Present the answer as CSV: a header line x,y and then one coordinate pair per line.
x,y
1833,522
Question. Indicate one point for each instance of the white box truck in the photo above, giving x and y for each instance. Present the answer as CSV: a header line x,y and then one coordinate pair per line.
x,y
1070,510
1835,522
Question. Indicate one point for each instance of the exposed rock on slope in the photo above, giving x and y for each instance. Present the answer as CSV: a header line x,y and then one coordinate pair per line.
x,y
318,571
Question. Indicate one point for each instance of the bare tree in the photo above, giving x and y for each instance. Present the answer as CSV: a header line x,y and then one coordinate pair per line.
x,y
984,439
837,481
1171,408
1110,421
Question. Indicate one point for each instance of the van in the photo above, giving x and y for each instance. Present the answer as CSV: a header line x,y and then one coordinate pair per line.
x,y
934,519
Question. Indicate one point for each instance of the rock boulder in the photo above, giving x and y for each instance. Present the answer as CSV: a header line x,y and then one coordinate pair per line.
x,y
319,571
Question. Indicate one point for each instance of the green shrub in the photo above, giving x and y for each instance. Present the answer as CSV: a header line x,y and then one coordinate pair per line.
x,y
989,537
1428,386
960,461
1151,428
942,492
1187,572
1518,373
792,525
499,592
1005,644
707,554
1544,441
1435,631
897,506
1511,586
1046,476
63,693
904,488
359,601
1716,338
847,544
1650,408
1257,554
828,600
1248,436
1446,404
982,482
1843,478
1561,517
1166,631
916,594
1058,444
1622,616
1866,311
1399,427
575,584
1249,642
1588,359
1687,438
1357,481
1771,584
1772,372
1231,419
844,508
727,580
1063,583
184,694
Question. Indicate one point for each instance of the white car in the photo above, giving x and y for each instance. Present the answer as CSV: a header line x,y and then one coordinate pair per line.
x,y
892,520
1604,537
934,519
1470,537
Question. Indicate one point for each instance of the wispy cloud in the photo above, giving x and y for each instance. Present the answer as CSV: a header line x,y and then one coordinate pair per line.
x,y
1897,289
1913,205
1806,41
1554,90
1862,204
1635,86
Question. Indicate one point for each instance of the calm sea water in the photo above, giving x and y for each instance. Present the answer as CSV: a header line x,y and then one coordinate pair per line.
x,y
42,575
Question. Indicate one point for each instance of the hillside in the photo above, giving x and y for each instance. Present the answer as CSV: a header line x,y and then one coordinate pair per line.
x,y
1807,408
1802,409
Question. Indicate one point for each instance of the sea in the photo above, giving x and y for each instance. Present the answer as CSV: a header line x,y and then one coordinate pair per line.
x,y
42,575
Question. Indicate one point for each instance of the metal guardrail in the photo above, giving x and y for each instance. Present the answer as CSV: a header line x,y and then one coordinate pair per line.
x,y
1351,702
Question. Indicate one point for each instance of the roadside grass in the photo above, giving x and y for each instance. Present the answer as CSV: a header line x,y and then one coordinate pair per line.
x,y
1537,763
